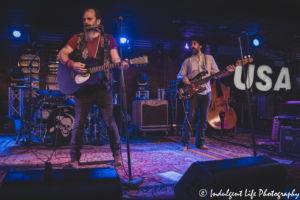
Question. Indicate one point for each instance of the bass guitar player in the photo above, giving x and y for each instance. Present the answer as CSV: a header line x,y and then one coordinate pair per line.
x,y
191,67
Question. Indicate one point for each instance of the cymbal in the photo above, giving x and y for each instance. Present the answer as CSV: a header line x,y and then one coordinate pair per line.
x,y
50,93
25,87
33,79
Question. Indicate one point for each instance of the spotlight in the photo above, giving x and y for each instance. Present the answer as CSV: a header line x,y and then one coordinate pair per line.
x,y
16,34
123,40
186,46
256,42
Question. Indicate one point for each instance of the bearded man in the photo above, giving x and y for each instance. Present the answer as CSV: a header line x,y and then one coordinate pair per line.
x,y
103,47
190,68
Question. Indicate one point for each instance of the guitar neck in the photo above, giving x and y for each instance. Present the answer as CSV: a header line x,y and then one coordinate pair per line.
x,y
103,67
212,76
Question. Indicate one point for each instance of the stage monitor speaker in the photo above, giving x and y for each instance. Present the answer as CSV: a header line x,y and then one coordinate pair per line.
x,y
251,173
101,183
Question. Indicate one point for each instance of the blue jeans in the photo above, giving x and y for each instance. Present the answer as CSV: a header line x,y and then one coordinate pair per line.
x,y
103,99
201,102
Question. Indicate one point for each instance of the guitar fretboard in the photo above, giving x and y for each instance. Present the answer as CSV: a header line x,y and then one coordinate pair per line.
x,y
202,81
103,67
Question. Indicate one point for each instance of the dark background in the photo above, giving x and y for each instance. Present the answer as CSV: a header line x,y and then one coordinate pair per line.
x,y
149,23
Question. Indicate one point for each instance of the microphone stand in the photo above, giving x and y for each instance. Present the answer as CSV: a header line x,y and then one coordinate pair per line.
x,y
130,184
248,100
30,96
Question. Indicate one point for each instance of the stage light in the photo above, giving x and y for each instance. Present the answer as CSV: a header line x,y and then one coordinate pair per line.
x,y
123,40
186,46
17,34
256,42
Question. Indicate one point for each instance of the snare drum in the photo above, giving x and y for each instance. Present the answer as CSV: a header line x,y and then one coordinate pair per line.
x,y
69,100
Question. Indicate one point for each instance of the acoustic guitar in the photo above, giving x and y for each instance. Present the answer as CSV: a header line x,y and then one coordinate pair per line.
x,y
69,81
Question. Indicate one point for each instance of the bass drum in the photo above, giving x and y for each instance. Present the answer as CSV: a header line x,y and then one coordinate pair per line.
x,y
61,121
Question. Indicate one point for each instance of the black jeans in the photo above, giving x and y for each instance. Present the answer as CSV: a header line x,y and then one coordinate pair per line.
x,y
103,99
201,102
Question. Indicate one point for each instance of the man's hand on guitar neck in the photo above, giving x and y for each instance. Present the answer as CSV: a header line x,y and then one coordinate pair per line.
x,y
230,69
186,80
125,64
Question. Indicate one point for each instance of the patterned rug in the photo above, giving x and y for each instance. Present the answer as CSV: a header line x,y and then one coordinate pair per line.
x,y
156,159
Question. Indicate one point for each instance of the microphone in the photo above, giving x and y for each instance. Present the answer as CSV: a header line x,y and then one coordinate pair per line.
x,y
92,27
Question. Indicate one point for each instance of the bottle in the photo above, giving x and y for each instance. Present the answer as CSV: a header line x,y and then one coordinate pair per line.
x,y
162,94
158,94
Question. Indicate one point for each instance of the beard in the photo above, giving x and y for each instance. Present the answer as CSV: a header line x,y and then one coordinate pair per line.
x,y
89,33
195,51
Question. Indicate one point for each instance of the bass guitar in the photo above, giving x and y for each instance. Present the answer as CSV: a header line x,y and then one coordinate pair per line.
x,y
69,81
187,91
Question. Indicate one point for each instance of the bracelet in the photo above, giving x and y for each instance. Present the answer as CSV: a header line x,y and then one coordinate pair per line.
x,y
70,63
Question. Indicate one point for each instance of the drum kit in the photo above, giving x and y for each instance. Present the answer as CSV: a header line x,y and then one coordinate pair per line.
x,y
53,117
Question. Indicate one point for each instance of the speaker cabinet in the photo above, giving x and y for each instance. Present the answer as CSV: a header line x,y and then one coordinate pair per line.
x,y
234,174
61,184
150,112
290,140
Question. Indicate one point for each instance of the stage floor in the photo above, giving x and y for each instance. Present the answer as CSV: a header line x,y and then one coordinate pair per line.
x,y
156,158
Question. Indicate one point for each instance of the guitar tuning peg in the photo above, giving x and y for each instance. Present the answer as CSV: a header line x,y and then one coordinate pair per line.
x,y
249,56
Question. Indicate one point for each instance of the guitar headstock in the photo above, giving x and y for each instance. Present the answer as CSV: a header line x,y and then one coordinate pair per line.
x,y
138,61
246,60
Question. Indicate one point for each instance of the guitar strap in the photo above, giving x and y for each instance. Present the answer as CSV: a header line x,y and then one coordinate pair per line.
x,y
101,52
205,61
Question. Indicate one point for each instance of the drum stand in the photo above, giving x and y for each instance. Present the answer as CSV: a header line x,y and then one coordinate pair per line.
x,y
103,138
26,119
42,128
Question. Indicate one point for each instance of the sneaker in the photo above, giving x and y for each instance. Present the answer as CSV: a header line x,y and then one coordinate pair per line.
x,y
118,161
74,163
183,148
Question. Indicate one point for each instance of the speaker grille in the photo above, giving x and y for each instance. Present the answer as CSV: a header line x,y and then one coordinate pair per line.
x,y
154,115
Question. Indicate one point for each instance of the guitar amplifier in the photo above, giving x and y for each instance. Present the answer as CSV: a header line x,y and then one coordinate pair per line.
x,y
150,112
283,121
289,140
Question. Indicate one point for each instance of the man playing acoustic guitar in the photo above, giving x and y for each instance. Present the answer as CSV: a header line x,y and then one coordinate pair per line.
x,y
103,47
191,67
